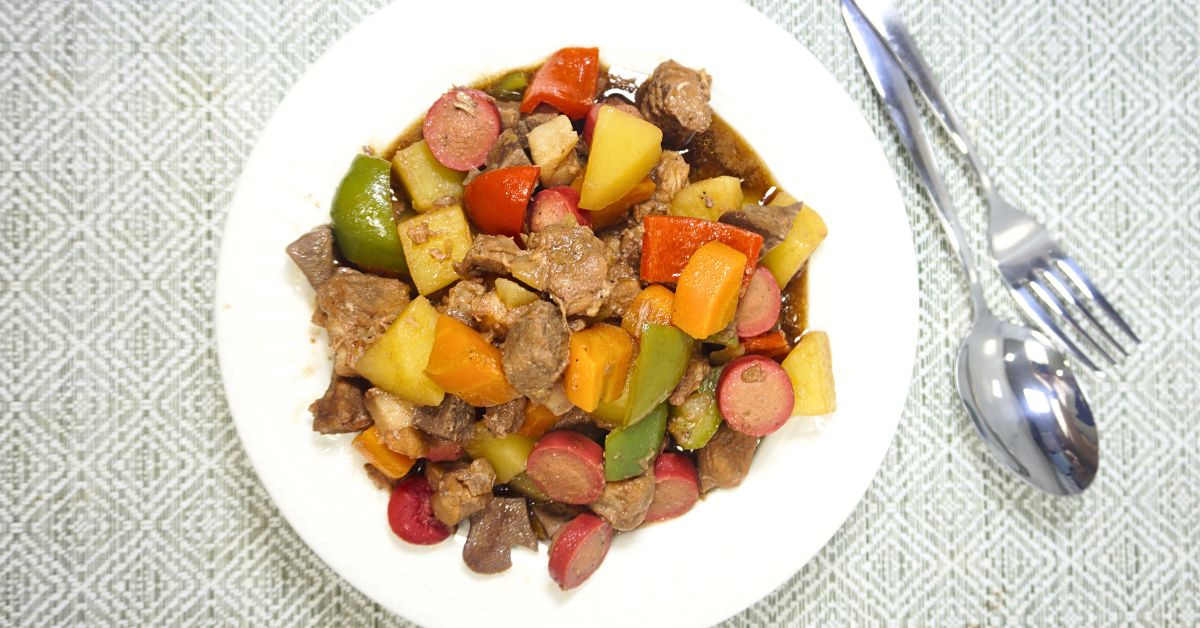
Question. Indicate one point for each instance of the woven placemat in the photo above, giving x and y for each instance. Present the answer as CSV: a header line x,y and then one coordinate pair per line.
x,y
125,497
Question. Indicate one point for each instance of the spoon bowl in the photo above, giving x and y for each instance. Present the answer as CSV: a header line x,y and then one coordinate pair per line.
x,y
1027,405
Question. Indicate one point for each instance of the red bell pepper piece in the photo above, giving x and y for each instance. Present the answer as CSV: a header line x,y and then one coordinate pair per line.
x,y
566,81
497,199
669,241
772,344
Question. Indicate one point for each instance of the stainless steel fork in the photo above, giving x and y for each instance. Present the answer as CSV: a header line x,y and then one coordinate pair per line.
x,y
1048,285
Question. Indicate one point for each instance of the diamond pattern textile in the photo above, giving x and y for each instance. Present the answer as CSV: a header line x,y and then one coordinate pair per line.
x,y
126,498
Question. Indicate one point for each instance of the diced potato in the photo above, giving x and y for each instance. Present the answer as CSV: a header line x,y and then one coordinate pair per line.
x,y
512,295
424,178
810,367
396,361
709,198
529,271
433,243
624,150
783,199
786,259
551,144
507,455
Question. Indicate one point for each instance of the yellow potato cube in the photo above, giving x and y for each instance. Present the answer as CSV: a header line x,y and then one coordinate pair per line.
x,y
433,243
786,259
624,150
782,199
512,295
551,145
396,361
810,367
709,198
425,179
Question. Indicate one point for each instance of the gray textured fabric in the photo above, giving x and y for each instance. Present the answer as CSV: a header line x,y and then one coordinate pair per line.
x,y
125,497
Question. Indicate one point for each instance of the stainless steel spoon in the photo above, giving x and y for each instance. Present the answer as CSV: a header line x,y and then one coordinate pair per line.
x,y
1016,386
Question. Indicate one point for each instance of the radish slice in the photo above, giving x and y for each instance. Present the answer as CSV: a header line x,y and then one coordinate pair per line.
x,y
461,127
755,395
568,467
410,512
676,487
758,309
579,549
554,205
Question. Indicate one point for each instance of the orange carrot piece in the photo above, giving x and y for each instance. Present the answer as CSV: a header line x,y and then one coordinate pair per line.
x,y
707,294
668,242
370,445
538,420
651,305
597,365
464,363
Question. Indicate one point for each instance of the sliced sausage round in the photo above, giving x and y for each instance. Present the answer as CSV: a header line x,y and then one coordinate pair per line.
x,y
676,487
758,309
755,395
461,127
555,205
410,512
579,549
568,467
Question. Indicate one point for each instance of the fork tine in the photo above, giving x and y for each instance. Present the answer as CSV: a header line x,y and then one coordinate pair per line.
x,y
1034,311
1054,304
1059,284
1085,286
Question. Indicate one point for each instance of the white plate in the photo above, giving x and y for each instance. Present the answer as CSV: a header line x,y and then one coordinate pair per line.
x,y
734,547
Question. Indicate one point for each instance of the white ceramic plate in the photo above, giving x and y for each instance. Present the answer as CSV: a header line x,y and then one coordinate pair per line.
x,y
736,546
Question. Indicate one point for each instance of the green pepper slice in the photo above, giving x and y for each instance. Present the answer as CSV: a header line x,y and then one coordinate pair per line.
x,y
661,363
364,226
511,86
630,451
694,423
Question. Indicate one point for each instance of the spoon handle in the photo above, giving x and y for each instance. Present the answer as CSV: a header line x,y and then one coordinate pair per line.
x,y
892,84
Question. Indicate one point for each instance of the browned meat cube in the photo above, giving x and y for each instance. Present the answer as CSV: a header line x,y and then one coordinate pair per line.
x,y
463,492
341,410
675,98
502,524
725,460
535,352
624,504
313,254
356,309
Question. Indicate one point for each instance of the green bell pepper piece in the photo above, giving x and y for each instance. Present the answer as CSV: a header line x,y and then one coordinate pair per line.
x,y
630,451
660,364
726,355
694,423
611,414
363,224
511,86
